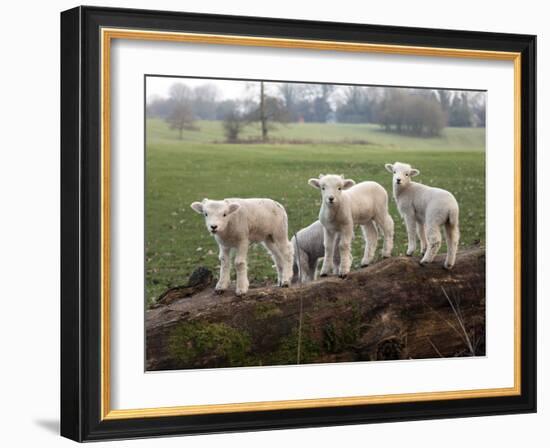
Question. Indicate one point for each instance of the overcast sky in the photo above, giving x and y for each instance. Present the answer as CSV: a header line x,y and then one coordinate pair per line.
x,y
159,86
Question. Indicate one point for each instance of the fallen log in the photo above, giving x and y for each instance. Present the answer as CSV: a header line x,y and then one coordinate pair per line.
x,y
394,309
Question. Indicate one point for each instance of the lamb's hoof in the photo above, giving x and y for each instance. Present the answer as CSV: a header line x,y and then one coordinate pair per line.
x,y
363,265
423,263
410,254
219,292
342,276
323,275
239,293
284,285
447,266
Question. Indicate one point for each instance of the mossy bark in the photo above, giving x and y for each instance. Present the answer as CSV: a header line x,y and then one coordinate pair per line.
x,y
394,309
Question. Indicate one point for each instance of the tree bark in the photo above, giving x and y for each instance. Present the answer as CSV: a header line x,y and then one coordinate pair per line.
x,y
394,309
263,116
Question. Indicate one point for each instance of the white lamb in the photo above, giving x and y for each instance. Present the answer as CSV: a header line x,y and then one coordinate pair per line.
x,y
424,210
308,249
235,223
344,205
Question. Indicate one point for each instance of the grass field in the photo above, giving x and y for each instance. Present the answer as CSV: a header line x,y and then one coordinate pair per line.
x,y
200,165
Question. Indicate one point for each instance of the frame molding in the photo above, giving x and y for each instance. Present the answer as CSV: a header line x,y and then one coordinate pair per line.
x,y
86,35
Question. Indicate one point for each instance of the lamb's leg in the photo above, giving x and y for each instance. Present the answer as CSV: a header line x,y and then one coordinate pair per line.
x,y
286,250
317,268
300,266
385,222
241,268
283,255
370,234
297,265
328,260
336,257
295,271
225,270
433,236
311,268
421,232
410,223
272,249
346,235
306,270
452,235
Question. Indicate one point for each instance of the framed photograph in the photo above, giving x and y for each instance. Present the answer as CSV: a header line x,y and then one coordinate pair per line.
x,y
273,224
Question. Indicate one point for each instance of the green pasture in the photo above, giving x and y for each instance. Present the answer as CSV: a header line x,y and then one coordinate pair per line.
x,y
200,165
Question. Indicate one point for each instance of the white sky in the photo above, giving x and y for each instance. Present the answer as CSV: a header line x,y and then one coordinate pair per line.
x,y
159,86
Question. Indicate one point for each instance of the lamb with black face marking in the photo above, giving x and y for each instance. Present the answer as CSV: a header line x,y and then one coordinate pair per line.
x,y
235,223
345,204
425,209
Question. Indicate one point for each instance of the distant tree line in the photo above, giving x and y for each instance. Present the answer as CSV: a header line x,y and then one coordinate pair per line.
x,y
419,112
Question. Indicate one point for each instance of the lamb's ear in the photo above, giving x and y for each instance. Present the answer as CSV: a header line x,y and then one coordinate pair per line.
x,y
314,183
348,183
389,167
321,175
197,206
414,172
233,207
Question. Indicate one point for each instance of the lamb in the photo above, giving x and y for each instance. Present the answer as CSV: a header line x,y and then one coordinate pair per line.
x,y
424,210
235,223
308,248
345,204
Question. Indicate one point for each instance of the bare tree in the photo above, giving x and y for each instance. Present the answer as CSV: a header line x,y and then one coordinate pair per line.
x,y
289,93
327,90
460,113
233,124
479,107
321,107
355,105
181,116
268,110
263,115
444,97
205,100
180,93
415,112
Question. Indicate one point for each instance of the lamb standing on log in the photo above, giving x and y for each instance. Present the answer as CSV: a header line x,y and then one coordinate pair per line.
x,y
344,205
424,210
308,248
235,223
